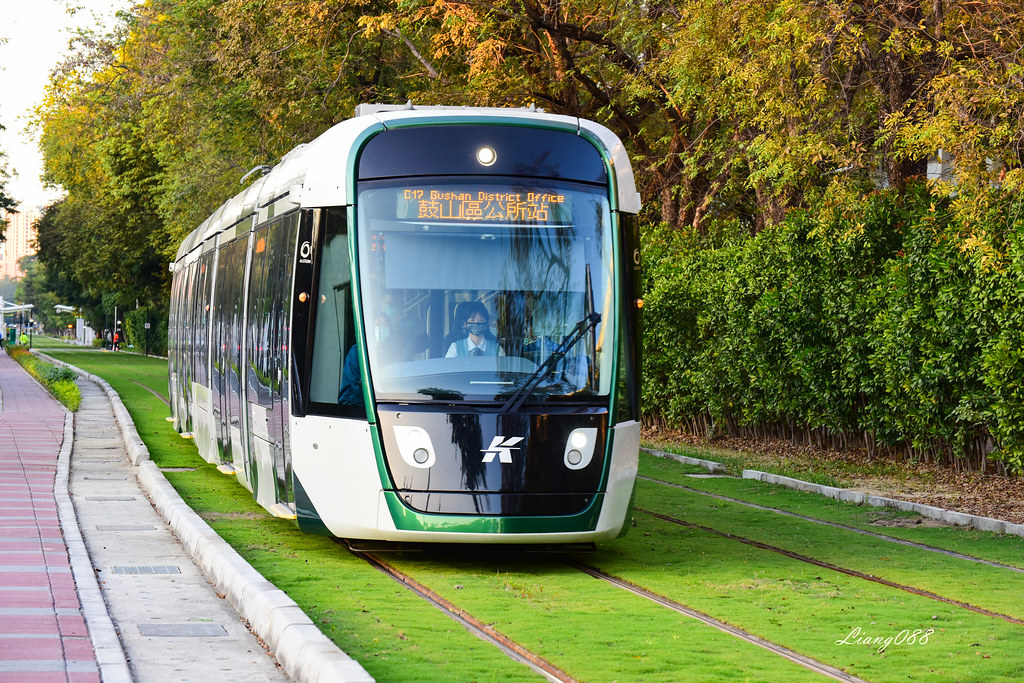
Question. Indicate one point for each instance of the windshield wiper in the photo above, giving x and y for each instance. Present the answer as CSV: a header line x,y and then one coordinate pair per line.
x,y
518,397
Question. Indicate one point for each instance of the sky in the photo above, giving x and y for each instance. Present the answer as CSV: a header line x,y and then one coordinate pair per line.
x,y
37,34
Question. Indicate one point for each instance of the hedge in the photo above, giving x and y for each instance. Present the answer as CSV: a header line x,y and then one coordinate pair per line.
x,y
887,321
135,330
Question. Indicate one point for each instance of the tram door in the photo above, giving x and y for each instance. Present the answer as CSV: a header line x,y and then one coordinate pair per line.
x,y
335,387
267,313
185,368
199,329
177,333
227,353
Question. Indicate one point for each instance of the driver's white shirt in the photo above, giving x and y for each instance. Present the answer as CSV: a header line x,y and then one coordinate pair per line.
x,y
453,350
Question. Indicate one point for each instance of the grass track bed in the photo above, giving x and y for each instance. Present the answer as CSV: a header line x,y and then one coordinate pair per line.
x,y
889,521
865,532
991,588
589,628
598,632
807,608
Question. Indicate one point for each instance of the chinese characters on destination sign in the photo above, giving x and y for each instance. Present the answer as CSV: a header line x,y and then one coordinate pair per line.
x,y
500,207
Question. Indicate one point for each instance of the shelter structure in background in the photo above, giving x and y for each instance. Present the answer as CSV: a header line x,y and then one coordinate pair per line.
x,y
17,318
82,333
20,240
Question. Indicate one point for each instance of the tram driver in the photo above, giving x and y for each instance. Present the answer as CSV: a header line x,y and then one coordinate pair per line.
x,y
351,392
478,340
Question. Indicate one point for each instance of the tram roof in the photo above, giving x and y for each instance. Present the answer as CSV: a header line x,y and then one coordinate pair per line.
x,y
315,174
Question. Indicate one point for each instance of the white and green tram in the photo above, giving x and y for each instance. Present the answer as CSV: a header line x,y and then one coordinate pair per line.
x,y
422,326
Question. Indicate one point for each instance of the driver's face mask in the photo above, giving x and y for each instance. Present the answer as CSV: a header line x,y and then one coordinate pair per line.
x,y
476,327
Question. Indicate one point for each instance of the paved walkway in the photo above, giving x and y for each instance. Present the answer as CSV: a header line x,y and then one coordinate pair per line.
x,y
43,635
98,589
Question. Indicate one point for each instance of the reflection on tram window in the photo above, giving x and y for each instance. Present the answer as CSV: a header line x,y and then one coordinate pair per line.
x,y
335,379
528,265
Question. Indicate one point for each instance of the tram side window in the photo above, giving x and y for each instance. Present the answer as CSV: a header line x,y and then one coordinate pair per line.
x,y
259,344
279,276
202,319
335,382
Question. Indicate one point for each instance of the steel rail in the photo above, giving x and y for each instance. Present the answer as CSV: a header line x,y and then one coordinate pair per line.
x,y
793,656
483,631
873,534
834,567
168,403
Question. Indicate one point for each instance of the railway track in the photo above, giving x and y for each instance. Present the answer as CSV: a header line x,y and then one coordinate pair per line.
x,y
793,656
834,567
836,525
483,631
522,654
959,653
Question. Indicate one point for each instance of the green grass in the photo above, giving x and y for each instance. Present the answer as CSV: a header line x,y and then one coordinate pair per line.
x,y
994,547
589,628
809,609
598,632
984,586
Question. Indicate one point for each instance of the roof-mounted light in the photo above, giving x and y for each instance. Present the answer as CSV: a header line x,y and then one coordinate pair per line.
x,y
486,156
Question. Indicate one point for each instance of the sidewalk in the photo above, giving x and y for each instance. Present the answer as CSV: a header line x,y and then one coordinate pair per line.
x,y
43,634
99,589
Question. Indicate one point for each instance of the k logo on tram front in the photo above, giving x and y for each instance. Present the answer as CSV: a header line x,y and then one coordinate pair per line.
x,y
502,448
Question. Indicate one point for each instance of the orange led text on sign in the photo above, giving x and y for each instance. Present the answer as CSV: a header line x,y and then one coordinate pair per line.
x,y
483,206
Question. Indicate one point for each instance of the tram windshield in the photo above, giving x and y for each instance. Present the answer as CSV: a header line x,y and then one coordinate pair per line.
x,y
473,288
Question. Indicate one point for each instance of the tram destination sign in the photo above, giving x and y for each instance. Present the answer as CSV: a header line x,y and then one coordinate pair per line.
x,y
485,205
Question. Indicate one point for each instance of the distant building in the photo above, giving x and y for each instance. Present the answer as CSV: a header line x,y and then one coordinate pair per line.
x,y
20,240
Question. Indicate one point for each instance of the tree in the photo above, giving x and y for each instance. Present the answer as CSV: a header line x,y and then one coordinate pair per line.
x,y
54,273
737,110
8,287
734,112
150,128
7,203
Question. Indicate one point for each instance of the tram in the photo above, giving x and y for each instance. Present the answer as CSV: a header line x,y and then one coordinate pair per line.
x,y
422,326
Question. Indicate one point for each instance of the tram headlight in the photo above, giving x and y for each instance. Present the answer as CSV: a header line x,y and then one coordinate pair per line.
x,y
579,448
486,156
414,446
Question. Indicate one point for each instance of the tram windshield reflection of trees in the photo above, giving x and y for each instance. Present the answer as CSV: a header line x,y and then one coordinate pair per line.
x,y
537,258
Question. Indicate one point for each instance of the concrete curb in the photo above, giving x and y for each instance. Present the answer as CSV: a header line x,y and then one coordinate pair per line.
x,y
303,651
997,526
106,644
709,465
137,451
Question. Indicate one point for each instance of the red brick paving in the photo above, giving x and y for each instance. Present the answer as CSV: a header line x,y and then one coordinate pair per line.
x,y
42,632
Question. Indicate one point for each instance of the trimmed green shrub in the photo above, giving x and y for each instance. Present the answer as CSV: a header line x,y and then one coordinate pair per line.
x,y
886,321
